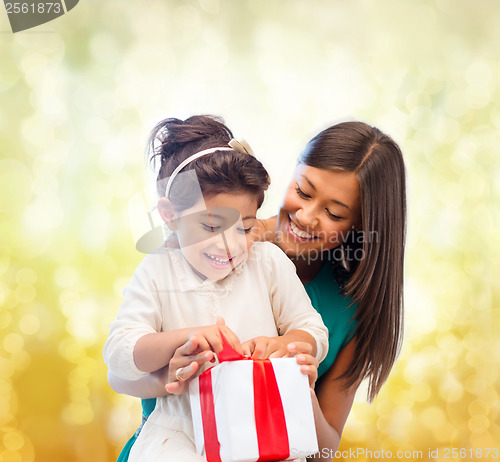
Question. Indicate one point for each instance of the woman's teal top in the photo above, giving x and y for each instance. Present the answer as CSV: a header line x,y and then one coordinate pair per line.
x,y
337,313
148,406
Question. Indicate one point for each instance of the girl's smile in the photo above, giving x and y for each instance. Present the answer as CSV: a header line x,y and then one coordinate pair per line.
x,y
219,262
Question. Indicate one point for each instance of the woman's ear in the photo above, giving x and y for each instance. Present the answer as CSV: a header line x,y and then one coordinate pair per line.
x,y
358,222
167,212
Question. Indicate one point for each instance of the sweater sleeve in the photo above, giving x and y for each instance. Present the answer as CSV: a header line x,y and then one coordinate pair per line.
x,y
292,307
138,315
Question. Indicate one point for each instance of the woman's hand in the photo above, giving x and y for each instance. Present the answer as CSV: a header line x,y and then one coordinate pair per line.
x,y
199,349
155,350
308,363
183,366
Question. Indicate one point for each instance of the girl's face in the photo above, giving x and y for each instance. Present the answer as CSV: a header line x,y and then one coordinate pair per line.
x,y
215,235
318,210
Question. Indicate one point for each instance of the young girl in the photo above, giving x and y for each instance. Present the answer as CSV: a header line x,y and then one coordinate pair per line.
x,y
210,199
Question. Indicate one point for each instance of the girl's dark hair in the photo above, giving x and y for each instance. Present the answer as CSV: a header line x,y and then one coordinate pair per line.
x,y
375,282
174,140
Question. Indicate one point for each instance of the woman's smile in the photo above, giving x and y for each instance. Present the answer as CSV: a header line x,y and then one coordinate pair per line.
x,y
298,233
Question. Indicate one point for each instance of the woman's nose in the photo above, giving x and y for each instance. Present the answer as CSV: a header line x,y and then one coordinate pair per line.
x,y
307,217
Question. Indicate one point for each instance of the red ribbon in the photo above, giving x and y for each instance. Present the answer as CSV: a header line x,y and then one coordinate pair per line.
x,y
272,435
212,446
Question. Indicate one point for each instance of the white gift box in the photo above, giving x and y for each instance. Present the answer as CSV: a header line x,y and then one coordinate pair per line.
x,y
233,404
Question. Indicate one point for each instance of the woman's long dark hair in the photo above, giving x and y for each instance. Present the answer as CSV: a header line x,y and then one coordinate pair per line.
x,y
375,282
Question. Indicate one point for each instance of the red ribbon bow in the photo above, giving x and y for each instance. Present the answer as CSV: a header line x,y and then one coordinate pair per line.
x,y
272,435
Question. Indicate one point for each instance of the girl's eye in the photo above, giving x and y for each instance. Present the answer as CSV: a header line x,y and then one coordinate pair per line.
x,y
332,216
244,230
301,193
212,229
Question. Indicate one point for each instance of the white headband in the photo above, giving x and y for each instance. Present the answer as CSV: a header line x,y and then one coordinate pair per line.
x,y
235,145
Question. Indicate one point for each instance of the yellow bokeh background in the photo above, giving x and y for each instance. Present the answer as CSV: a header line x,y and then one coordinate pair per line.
x,y
78,97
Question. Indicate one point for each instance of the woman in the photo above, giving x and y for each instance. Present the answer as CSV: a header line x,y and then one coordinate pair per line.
x,y
342,222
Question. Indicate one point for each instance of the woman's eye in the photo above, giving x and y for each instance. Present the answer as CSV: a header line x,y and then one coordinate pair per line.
x,y
332,216
212,229
301,193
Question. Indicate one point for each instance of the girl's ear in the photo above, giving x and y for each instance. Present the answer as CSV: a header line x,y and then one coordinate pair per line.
x,y
167,212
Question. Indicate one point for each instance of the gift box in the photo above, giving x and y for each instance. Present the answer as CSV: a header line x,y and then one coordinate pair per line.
x,y
253,410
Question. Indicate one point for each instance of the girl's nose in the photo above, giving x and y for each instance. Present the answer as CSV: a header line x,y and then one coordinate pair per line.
x,y
231,241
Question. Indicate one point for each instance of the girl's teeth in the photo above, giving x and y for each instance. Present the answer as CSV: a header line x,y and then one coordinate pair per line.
x,y
299,232
218,261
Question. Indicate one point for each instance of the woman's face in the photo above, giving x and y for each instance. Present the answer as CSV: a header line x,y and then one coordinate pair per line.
x,y
318,210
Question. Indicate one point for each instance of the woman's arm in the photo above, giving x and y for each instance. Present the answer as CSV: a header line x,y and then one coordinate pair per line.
x,y
332,403
149,386
187,359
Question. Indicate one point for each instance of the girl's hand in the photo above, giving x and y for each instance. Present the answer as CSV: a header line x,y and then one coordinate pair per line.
x,y
265,347
210,338
277,347
308,363
183,366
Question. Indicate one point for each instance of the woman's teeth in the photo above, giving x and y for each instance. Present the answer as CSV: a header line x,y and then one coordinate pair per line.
x,y
298,232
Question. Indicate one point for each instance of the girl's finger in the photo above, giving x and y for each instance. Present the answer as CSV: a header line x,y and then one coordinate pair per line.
x,y
259,350
280,354
202,344
232,338
214,341
247,347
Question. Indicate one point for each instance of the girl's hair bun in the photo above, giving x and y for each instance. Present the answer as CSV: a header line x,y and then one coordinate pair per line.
x,y
176,139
